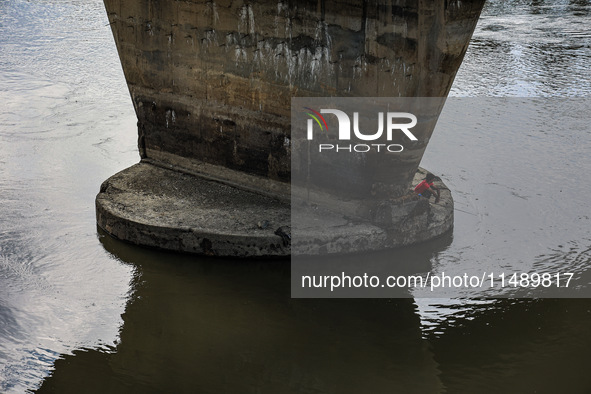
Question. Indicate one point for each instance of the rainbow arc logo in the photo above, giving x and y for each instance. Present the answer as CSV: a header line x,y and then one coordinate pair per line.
x,y
315,116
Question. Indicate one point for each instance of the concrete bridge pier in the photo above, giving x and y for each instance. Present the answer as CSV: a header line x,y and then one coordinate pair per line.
x,y
212,82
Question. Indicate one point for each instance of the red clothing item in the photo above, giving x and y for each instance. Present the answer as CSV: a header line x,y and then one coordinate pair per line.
x,y
422,187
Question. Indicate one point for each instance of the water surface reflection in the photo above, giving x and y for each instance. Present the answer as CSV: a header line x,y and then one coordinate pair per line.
x,y
208,326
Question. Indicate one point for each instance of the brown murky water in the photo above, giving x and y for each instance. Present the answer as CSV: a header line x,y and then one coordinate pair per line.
x,y
81,312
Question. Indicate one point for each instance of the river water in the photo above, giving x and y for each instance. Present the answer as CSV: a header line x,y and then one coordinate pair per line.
x,y
81,312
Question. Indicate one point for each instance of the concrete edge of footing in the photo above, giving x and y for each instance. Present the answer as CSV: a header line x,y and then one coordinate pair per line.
x,y
186,240
161,208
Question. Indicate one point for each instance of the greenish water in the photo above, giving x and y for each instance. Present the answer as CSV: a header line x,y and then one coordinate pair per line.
x,y
81,312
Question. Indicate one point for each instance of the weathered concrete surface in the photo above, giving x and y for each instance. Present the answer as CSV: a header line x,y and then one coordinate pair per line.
x,y
328,226
163,208
158,207
211,81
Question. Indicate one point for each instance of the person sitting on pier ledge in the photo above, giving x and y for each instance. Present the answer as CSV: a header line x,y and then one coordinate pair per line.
x,y
427,189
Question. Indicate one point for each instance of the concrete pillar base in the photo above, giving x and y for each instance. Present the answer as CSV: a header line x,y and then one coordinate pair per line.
x,y
163,208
